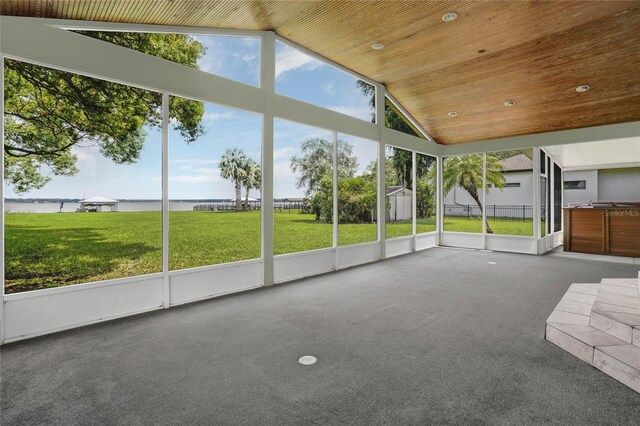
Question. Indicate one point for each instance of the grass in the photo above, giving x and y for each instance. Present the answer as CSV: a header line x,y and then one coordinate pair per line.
x,y
50,250
502,226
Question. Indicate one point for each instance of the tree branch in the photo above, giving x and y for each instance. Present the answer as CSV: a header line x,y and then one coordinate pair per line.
x,y
10,150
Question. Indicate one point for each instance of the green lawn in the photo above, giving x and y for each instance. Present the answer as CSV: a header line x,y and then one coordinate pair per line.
x,y
49,250
500,226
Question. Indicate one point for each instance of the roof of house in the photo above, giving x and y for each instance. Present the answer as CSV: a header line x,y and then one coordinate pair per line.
x,y
396,190
516,163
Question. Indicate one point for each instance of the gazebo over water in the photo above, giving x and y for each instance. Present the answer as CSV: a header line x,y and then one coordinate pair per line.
x,y
97,204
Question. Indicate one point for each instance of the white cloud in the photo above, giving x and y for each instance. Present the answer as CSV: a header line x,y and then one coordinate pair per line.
x,y
198,175
195,161
329,88
193,179
210,117
289,59
284,153
361,111
87,156
282,169
249,57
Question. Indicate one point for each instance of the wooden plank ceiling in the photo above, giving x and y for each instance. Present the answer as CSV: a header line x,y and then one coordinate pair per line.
x,y
535,53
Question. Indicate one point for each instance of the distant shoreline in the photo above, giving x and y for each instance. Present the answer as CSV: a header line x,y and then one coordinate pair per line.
x,y
123,200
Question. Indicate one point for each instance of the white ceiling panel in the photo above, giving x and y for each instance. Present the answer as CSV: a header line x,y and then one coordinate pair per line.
x,y
598,155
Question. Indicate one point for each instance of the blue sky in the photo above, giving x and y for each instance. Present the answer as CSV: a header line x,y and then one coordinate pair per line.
x,y
193,169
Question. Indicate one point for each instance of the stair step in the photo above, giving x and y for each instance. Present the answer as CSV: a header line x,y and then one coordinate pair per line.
x,y
617,308
609,323
620,362
579,340
600,324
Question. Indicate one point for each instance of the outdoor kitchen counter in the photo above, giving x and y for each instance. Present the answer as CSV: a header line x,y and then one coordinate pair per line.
x,y
602,229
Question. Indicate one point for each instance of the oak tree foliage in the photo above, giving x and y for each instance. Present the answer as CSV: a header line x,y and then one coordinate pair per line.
x,y
50,113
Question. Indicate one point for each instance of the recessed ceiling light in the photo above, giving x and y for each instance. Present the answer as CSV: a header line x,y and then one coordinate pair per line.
x,y
583,88
453,114
450,16
377,46
509,103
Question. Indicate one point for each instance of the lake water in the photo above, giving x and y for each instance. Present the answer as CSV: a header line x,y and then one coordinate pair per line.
x,y
123,206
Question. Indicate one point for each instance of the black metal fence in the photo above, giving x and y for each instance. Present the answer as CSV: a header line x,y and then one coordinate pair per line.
x,y
494,211
286,206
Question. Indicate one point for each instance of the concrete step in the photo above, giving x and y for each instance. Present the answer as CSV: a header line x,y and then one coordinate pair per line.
x,y
620,362
594,323
616,309
617,324
579,340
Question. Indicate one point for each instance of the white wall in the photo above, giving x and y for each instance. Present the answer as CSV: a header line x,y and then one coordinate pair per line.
x,y
506,196
619,184
581,195
604,185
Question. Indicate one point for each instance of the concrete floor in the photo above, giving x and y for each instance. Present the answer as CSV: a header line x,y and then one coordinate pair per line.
x,y
439,336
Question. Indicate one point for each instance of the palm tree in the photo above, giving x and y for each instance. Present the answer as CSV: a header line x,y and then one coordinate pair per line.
x,y
233,167
252,179
466,172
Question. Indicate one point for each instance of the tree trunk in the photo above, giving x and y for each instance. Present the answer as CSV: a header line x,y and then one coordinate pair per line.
x,y
246,200
238,195
476,198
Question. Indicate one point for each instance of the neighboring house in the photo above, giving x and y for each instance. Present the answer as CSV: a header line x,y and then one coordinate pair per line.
x,y
582,186
516,194
400,203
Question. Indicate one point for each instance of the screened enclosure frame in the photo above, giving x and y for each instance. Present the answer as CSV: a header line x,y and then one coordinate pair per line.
x,y
45,311
22,39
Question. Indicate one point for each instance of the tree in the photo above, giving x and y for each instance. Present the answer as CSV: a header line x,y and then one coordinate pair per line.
x,y
425,198
233,166
317,161
252,178
356,199
392,119
49,112
466,172
401,159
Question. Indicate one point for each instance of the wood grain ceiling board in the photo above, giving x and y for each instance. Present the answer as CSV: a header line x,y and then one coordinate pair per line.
x,y
536,53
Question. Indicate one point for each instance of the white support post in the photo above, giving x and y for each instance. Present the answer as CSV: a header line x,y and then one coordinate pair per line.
x,y
2,260
439,199
268,84
382,198
536,196
414,186
551,173
562,203
484,200
166,289
335,199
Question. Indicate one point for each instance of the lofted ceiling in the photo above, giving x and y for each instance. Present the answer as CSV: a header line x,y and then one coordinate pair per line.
x,y
533,52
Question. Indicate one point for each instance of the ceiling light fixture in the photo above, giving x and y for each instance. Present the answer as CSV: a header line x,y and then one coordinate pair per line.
x,y
453,114
509,103
450,16
377,46
583,88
